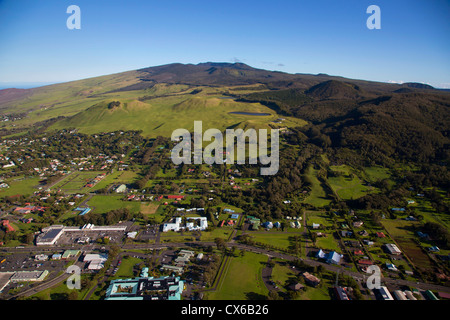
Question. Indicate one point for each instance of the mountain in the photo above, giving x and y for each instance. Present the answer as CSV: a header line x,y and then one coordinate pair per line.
x,y
333,89
381,120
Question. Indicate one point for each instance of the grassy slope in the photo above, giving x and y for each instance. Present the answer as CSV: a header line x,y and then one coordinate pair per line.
x,y
161,116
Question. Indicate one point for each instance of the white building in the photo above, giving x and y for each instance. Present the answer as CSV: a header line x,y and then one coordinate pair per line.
x,y
393,249
201,224
385,294
96,261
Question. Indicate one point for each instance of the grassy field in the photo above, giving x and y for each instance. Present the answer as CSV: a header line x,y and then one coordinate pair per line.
x,y
242,279
118,177
105,203
402,233
126,267
76,181
317,197
282,274
20,185
347,185
277,239
60,292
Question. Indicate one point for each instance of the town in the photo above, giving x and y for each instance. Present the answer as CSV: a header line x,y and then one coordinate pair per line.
x,y
141,227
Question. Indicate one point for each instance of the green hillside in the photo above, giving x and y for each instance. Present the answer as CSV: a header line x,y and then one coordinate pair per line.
x,y
160,116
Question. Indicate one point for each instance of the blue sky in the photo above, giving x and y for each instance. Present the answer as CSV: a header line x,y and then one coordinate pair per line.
x,y
291,36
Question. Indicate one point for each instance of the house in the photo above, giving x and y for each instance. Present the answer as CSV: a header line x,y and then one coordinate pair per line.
x,y
8,227
296,286
434,249
391,267
392,248
346,234
365,262
380,235
315,226
363,233
310,279
357,224
175,197
267,225
331,257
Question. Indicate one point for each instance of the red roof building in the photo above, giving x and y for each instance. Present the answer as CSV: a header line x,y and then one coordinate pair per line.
x,y
8,227
175,197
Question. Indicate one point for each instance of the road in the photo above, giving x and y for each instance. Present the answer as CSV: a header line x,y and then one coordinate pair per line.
x,y
45,285
272,254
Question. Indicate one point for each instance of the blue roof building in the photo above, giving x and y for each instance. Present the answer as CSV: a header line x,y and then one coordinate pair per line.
x,y
145,288
332,257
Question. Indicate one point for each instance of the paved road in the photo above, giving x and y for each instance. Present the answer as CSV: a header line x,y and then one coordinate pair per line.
x,y
334,268
45,285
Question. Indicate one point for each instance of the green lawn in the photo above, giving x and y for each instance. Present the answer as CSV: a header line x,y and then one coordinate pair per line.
x,y
20,185
105,203
126,267
242,279
348,187
317,197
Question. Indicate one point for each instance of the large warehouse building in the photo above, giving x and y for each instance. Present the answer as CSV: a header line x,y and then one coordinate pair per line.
x,y
50,235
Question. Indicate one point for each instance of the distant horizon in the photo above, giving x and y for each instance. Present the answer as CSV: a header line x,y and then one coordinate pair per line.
x,y
37,84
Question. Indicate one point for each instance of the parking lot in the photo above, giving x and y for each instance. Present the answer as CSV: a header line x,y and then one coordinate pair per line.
x,y
25,262
150,232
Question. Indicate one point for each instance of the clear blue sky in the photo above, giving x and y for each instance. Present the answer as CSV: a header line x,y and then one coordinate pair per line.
x,y
292,36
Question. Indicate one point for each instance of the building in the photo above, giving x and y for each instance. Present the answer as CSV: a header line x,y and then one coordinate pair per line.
x,y
50,235
24,276
96,261
357,224
341,293
332,257
384,293
391,266
400,295
146,288
173,226
310,279
296,286
69,254
9,228
176,269
121,189
392,248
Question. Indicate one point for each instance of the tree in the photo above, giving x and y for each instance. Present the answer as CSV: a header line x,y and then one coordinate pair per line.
x,y
220,243
273,295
